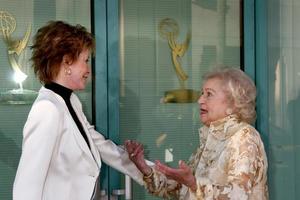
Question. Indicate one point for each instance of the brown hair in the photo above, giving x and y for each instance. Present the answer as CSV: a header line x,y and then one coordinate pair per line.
x,y
239,89
55,40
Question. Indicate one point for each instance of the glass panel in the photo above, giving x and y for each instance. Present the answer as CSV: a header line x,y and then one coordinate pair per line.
x,y
24,15
284,101
151,32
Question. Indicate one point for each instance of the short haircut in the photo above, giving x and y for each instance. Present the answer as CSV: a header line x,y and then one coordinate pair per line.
x,y
55,40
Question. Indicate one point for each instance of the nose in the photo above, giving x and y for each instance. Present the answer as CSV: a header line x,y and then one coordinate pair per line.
x,y
201,99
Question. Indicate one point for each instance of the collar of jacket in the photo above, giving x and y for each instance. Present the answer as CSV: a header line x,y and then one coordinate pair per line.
x,y
224,128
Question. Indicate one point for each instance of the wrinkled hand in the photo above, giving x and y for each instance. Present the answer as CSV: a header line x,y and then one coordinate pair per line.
x,y
183,174
136,155
135,150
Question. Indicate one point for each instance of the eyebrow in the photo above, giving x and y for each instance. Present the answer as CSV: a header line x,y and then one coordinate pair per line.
x,y
209,89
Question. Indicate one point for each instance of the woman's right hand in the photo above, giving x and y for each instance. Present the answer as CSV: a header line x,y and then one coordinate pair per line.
x,y
135,152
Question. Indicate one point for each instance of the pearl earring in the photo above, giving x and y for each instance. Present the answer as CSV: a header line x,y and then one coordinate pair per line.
x,y
68,71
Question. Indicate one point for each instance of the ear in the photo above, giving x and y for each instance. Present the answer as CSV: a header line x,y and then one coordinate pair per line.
x,y
66,61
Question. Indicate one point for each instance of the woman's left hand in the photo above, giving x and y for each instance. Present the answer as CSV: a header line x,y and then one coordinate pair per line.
x,y
183,174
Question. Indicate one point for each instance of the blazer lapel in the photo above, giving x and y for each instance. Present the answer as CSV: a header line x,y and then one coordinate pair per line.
x,y
82,143
78,137
93,151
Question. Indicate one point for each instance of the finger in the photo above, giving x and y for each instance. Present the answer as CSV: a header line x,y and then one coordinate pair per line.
x,y
157,163
182,164
128,146
184,167
133,148
126,141
163,168
137,153
138,149
129,142
139,157
161,165
140,153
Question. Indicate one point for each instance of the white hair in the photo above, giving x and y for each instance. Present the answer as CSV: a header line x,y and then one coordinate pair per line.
x,y
240,91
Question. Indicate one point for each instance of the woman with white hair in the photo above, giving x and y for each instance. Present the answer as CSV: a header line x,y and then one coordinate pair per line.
x,y
230,162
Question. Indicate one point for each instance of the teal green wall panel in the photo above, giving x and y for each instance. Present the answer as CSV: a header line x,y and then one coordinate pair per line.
x,y
261,69
113,83
249,37
100,83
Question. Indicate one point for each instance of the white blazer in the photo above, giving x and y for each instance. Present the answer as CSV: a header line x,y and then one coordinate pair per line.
x,y
56,163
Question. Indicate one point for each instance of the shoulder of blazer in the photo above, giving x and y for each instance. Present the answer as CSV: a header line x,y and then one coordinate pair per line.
x,y
48,95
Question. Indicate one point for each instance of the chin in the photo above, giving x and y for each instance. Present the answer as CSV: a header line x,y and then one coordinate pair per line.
x,y
79,88
204,122
82,87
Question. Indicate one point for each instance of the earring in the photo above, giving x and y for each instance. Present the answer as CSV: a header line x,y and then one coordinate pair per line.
x,y
68,71
228,111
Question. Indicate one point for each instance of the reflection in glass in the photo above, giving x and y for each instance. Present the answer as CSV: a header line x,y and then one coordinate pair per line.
x,y
15,48
169,30
284,99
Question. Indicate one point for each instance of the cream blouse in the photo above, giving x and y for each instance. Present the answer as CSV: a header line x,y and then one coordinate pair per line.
x,y
230,163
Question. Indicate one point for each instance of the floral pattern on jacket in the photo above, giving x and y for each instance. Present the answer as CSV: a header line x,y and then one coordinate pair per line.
x,y
230,164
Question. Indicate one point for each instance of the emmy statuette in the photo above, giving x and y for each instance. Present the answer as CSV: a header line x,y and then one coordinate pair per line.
x,y
15,48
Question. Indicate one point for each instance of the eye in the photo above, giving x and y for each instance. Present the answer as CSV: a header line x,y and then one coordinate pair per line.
x,y
87,60
209,94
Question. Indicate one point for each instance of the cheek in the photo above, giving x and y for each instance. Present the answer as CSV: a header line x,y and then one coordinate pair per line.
x,y
217,108
221,111
86,67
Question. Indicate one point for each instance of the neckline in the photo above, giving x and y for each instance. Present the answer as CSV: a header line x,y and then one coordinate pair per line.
x,y
64,92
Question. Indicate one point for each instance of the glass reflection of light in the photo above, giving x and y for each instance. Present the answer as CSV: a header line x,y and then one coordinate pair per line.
x,y
169,155
19,77
161,139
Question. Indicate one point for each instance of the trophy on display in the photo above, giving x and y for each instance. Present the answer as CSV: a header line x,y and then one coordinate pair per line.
x,y
169,30
15,48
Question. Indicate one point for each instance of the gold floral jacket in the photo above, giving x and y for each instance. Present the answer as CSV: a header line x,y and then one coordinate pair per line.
x,y
230,163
